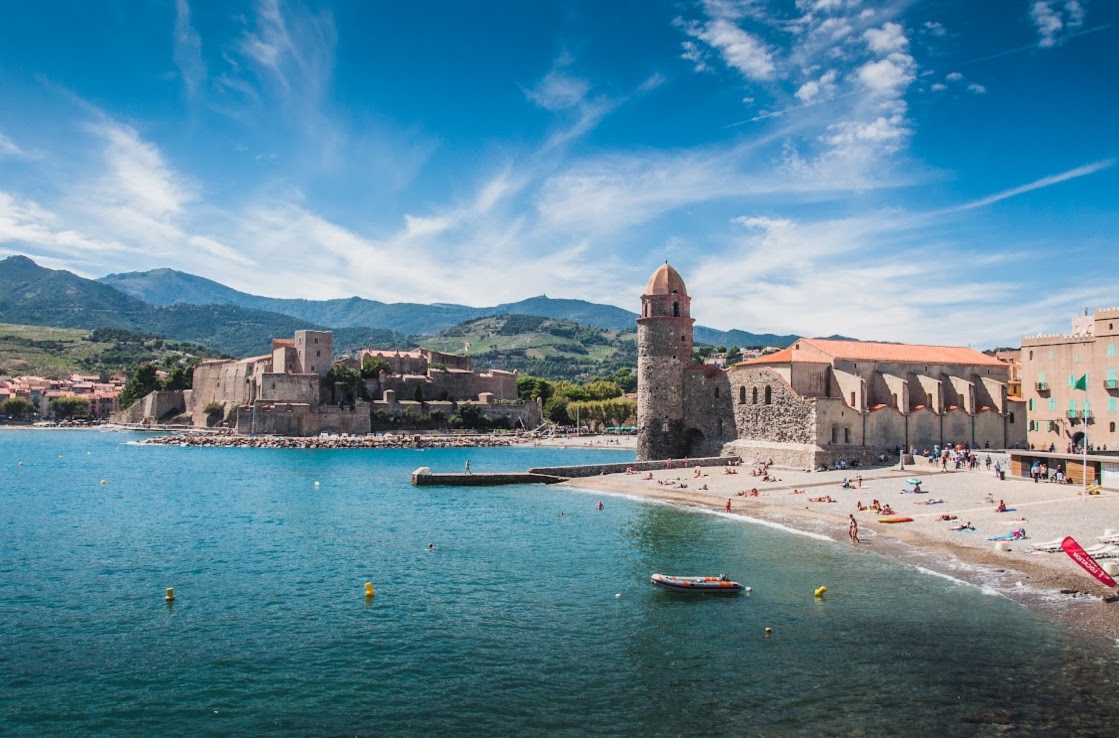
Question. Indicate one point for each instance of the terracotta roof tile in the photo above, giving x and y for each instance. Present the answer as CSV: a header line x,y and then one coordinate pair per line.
x,y
785,356
900,352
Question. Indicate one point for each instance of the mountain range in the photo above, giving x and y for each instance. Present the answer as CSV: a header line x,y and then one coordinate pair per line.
x,y
185,307
167,287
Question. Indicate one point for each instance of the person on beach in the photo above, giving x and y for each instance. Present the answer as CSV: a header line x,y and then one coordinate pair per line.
x,y
598,506
1001,507
468,466
858,481
728,504
853,528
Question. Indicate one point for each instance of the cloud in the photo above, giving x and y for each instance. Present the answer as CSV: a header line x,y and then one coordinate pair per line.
x,y
1082,171
934,28
8,147
558,91
953,76
739,49
295,51
888,39
188,49
1053,21
977,89
824,86
937,87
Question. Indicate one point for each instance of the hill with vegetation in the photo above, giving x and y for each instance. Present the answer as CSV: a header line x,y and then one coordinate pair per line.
x,y
542,347
60,352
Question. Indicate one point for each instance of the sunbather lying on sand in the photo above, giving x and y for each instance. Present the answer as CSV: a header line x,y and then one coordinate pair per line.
x,y
887,510
929,502
648,477
945,518
965,526
825,498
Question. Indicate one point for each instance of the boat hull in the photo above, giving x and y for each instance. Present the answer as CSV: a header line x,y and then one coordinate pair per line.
x,y
707,585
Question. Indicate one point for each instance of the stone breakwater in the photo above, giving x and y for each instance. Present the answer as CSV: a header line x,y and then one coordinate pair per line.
x,y
235,441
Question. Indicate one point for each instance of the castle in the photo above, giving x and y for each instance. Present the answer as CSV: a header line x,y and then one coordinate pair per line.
x,y
815,402
287,392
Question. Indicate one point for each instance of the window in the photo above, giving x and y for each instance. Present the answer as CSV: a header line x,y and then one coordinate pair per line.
x,y
1072,406
676,310
316,340
1111,375
928,399
1111,349
895,399
1011,418
846,435
1111,404
716,392
852,399
741,395
1051,353
1041,377
664,426
1031,359
719,427
835,434
1071,380
755,400
768,395
318,353
1053,403
1111,426
1032,407
1032,425
1076,358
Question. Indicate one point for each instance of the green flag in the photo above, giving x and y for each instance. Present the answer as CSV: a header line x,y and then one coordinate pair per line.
x,y
1081,384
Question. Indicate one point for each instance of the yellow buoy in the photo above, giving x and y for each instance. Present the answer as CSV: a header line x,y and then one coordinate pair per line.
x,y
369,591
21,463
102,482
820,591
60,456
768,631
170,596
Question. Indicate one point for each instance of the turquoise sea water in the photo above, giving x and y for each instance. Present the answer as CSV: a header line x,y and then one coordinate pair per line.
x,y
513,626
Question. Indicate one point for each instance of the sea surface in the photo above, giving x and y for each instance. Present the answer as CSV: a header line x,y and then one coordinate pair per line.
x,y
533,615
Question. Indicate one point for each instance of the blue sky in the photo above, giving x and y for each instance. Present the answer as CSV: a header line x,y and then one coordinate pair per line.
x,y
910,171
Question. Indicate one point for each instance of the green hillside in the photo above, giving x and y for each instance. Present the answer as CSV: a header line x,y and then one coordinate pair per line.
x,y
542,347
60,352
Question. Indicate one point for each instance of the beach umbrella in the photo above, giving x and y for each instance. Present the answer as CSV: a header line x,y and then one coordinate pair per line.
x,y
913,480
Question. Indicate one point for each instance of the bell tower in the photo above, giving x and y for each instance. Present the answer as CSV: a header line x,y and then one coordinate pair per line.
x,y
664,352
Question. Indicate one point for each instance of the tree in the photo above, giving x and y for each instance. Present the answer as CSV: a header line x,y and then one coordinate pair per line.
x,y
530,388
602,389
142,381
372,366
734,355
179,378
69,406
18,407
418,394
345,382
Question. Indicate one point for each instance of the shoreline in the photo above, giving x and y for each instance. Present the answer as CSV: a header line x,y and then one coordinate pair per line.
x,y
1051,585
388,440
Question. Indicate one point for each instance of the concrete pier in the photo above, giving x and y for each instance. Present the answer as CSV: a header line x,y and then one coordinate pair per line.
x,y
428,479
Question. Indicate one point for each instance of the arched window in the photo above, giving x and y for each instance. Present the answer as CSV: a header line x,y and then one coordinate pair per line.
x,y
1031,355
646,310
1111,426
928,399
716,392
768,395
755,400
741,395
676,310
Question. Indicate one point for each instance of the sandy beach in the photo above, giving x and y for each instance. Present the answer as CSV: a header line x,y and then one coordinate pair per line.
x,y
1048,582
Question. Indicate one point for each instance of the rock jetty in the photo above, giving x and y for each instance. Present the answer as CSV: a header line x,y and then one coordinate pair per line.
x,y
385,441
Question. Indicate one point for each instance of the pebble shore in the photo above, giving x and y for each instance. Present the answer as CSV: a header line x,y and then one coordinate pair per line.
x,y
386,441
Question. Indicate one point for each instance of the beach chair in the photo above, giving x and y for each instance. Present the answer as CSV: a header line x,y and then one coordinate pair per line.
x,y
1102,550
1049,546
1114,538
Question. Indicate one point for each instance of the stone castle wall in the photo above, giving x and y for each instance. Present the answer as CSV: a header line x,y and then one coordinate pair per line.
x,y
664,351
709,418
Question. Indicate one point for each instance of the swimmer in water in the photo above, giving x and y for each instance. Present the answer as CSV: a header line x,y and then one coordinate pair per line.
x,y
431,547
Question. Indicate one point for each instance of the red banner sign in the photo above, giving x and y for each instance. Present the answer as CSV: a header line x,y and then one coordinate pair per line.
x,y
1080,556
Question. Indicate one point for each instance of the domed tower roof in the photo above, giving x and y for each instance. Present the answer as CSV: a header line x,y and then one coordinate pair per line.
x,y
666,281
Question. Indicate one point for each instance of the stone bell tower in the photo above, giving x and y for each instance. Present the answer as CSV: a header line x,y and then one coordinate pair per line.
x,y
664,352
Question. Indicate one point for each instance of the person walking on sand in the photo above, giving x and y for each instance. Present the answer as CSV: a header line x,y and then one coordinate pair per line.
x,y
728,504
468,466
853,528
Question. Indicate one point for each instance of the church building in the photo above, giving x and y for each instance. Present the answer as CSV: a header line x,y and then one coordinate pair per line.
x,y
815,402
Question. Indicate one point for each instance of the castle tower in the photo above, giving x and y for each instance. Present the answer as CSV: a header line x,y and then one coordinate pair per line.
x,y
315,351
664,352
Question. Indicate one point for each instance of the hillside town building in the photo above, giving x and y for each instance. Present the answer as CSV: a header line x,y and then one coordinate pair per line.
x,y
39,391
817,401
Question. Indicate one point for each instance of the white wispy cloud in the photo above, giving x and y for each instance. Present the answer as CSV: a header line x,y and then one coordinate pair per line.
x,y
1082,171
188,49
740,50
978,89
1054,20
8,147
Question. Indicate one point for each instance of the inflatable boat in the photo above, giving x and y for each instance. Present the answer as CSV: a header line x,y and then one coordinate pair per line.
x,y
895,519
696,584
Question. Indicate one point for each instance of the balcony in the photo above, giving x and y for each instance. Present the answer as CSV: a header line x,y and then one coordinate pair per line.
x,y
1041,386
1074,414
1111,384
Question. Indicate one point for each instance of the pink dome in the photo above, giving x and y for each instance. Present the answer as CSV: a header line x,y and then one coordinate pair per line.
x,y
666,281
